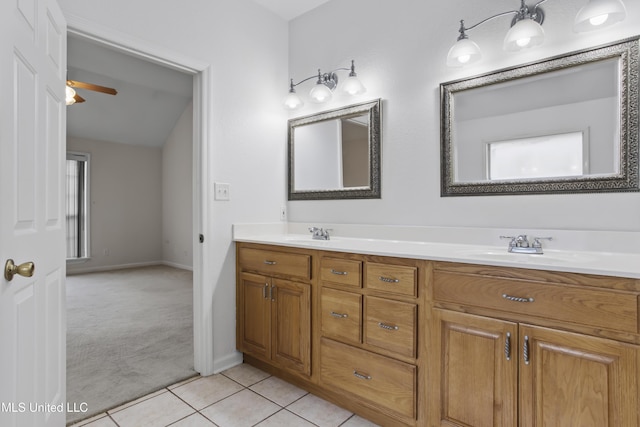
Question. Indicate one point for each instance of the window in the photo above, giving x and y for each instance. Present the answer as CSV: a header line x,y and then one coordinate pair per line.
x,y
77,205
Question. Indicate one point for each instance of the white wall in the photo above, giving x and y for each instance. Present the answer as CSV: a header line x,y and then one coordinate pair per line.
x,y
400,50
177,193
246,47
125,204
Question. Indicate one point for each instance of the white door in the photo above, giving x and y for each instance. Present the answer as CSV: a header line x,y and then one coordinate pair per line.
x,y
32,223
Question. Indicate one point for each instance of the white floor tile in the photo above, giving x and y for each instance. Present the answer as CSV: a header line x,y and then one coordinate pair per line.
x,y
357,421
135,402
195,420
245,374
319,411
160,410
284,418
207,390
101,420
278,391
243,409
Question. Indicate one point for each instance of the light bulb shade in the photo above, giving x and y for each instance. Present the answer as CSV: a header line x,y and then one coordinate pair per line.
x,y
320,93
524,34
599,13
464,52
353,86
293,101
70,95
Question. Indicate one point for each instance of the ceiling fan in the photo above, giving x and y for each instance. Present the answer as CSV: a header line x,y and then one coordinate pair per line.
x,y
73,97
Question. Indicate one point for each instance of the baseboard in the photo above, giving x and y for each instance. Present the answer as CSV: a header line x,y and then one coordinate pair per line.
x,y
226,362
101,268
176,265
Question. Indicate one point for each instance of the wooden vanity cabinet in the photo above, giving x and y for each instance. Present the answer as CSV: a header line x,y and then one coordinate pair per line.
x,y
274,307
517,361
369,340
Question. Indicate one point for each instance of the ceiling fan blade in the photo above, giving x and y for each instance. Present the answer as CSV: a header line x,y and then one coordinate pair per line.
x,y
91,86
78,98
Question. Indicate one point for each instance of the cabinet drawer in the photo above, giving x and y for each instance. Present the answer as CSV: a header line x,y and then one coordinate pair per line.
x,y
397,279
613,310
388,384
341,314
344,271
273,262
391,325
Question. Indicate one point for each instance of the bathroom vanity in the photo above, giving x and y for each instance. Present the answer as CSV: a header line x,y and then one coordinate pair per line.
x,y
438,340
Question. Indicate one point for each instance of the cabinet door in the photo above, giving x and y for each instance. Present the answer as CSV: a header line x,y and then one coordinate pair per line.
x,y
291,317
570,379
255,317
478,363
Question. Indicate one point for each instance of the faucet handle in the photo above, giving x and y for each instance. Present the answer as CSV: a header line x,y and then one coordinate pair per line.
x,y
313,229
512,238
537,243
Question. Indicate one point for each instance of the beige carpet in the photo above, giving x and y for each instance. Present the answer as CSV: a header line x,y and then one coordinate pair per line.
x,y
129,333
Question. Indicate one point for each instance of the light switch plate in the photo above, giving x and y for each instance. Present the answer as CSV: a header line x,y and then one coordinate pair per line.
x,y
222,190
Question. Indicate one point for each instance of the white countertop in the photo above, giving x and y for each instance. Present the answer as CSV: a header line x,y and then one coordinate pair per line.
x,y
588,262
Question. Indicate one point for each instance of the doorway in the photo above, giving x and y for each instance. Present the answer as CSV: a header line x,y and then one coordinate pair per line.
x,y
203,350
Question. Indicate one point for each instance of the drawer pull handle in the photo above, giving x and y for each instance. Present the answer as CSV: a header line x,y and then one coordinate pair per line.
x,y
339,315
270,262
361,376
388,327
339,273
517,299
507,346
265,289
388,279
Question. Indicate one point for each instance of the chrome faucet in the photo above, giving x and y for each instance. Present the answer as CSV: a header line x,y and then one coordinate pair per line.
x,y
320,233
520,244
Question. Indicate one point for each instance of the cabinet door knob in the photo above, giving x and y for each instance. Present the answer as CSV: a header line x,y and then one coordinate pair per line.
x,y
525,350
361,376
388,327
507,346
339,315
517,299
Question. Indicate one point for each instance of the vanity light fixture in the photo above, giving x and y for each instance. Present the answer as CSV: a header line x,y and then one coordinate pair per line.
x,y
325,85
526,28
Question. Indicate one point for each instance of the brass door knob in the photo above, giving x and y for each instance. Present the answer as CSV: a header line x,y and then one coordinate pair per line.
x,y
25,269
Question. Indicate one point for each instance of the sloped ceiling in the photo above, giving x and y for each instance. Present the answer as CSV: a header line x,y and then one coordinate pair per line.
x,y
149,102
150,97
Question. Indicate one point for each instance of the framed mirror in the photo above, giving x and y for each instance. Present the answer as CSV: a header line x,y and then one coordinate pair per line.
x,y
567,124
336,154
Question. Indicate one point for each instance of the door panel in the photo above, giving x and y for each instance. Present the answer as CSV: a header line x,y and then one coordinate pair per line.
x,y
479,383
577,380
256,320
32,142
291,308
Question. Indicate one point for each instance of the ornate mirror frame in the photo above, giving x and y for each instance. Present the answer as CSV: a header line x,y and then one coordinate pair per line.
x,y
626,179
372,110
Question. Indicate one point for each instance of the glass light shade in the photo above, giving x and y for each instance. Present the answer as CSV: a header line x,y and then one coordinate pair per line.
x,y
293,101
464,52
524,34
599,13
320,93
69,95
353,86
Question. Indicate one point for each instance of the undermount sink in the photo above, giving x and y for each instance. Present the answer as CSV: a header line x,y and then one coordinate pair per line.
x,y
549,257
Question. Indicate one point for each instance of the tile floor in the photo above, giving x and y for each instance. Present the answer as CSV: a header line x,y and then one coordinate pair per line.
x,y
238,397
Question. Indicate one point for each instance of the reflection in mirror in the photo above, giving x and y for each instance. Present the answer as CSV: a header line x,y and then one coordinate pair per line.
x,y
335,154
569,124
